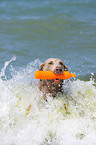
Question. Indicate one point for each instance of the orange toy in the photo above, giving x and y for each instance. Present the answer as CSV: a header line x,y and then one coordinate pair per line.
x,y
49,75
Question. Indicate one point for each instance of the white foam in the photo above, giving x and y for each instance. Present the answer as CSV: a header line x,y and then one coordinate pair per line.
x,y
26,119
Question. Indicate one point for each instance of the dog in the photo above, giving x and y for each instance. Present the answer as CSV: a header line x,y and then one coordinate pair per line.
x,y
54,86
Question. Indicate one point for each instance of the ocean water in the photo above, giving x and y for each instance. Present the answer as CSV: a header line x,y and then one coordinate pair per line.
x,y
31,32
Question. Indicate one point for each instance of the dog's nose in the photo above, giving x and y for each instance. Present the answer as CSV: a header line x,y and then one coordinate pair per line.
x,y
58,70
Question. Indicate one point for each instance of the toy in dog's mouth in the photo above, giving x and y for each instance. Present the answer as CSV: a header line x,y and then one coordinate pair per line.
x,y
57,80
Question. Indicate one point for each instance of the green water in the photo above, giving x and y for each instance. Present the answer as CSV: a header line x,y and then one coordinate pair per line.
x,y
43,29
30,32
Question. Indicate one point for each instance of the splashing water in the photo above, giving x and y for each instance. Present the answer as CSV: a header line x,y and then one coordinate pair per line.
x,y
25,118
5,65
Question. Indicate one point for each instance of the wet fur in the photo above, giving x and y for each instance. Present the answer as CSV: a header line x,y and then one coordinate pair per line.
x,y
52,86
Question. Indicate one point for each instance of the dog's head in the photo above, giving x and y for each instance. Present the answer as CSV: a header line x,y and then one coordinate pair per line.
x,y
55,65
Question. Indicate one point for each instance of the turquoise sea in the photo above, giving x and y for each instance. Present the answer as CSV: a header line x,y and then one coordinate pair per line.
x,y
30,32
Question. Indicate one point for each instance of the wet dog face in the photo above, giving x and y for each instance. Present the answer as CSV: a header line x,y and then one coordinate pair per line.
x,y
56,66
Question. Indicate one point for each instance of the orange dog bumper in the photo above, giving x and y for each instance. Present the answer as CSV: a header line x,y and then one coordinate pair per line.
x,y
49,75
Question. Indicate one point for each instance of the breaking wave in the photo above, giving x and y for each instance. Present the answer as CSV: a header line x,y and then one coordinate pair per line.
x,y
25,118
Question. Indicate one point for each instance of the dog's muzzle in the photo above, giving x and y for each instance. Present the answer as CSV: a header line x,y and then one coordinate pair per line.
x,y
58,70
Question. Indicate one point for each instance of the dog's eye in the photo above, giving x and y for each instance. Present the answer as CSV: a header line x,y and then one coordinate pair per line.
x,y
51,62
61,63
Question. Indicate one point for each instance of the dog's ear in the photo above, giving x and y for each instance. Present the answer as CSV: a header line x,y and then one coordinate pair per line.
x,y
41,66
65,68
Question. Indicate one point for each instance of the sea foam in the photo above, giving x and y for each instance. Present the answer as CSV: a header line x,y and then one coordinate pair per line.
x,y
26,119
